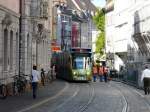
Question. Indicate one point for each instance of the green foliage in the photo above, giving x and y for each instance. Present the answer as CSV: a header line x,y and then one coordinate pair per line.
x,y
99,20
100,43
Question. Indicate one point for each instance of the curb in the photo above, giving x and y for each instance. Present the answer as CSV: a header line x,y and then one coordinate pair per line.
x,y
128,83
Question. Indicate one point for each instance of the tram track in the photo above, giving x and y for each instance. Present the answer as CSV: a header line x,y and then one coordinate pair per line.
x,y
91,98
66,101
137,95
74,102
134,91
100,98
125,102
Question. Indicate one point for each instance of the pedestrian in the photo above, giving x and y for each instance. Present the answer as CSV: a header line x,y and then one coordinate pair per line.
x,y
100,73
54,70
108,74
35,79
95,72
105,70
145,78
43,77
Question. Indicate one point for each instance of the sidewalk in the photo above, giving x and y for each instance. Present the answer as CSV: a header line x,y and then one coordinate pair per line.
x,y
14,103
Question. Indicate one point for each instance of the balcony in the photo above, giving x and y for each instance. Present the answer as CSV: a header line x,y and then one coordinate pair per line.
x,y
44,10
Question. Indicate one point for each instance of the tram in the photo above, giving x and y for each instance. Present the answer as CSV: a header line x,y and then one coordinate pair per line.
x,y
74,65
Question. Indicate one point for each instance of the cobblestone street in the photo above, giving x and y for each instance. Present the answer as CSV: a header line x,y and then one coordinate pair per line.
x,y
80,97
53,51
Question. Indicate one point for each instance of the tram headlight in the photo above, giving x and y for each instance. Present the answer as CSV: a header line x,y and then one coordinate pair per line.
x,y
88,73
74,73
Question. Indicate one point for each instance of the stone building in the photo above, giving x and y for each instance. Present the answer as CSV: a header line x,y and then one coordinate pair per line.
x,y
35,35
131,38
109,28
24,37
86,10
40,11
56,7
9,39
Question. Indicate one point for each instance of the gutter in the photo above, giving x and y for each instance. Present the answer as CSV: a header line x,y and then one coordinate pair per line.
x,y
20,34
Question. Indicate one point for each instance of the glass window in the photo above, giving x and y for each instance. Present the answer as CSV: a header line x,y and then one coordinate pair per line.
x,y
78,63
81,62
5,49
11,49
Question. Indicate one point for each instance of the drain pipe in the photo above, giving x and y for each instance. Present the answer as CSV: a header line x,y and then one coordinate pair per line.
x,y
20,34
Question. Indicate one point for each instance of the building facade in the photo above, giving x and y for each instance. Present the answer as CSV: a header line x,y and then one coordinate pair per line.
x,y
131,37
9,39
87,10
35,35
109,28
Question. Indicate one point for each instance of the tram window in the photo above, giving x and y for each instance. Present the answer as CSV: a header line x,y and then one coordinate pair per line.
x,y
88,61
81,62
85,62
78,63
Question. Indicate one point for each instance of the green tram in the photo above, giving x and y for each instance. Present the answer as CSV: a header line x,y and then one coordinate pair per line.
x,y
75,65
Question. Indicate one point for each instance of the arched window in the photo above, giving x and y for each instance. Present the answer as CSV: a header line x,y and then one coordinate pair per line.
x,y
28,47
17,50
43,51
5,49
11,49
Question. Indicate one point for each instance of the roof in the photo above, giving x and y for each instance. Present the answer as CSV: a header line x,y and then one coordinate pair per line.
x,y
75,16
86,5
78,9
71,5
82,4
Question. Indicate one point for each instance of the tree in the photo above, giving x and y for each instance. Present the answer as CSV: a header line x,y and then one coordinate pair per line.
x,y
100,43
99,20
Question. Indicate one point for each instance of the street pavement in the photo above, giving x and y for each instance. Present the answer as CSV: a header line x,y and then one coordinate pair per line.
x,y
15,103
61,96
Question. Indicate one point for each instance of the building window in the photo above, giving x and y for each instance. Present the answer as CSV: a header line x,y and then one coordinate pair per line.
x,y
28,47
11,49
5,49
44,9
17,50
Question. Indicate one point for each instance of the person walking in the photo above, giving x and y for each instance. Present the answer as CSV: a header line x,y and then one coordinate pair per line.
x,y
100,73
54,71
105,70
145,78
43,77
35,79
95,72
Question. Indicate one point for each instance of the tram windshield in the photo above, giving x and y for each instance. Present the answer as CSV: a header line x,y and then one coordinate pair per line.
x,y
81,62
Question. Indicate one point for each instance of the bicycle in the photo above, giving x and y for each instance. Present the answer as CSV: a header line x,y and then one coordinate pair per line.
x,y
3,90
19,84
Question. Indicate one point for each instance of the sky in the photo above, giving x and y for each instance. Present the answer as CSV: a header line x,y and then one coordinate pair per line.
x,y
99,3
